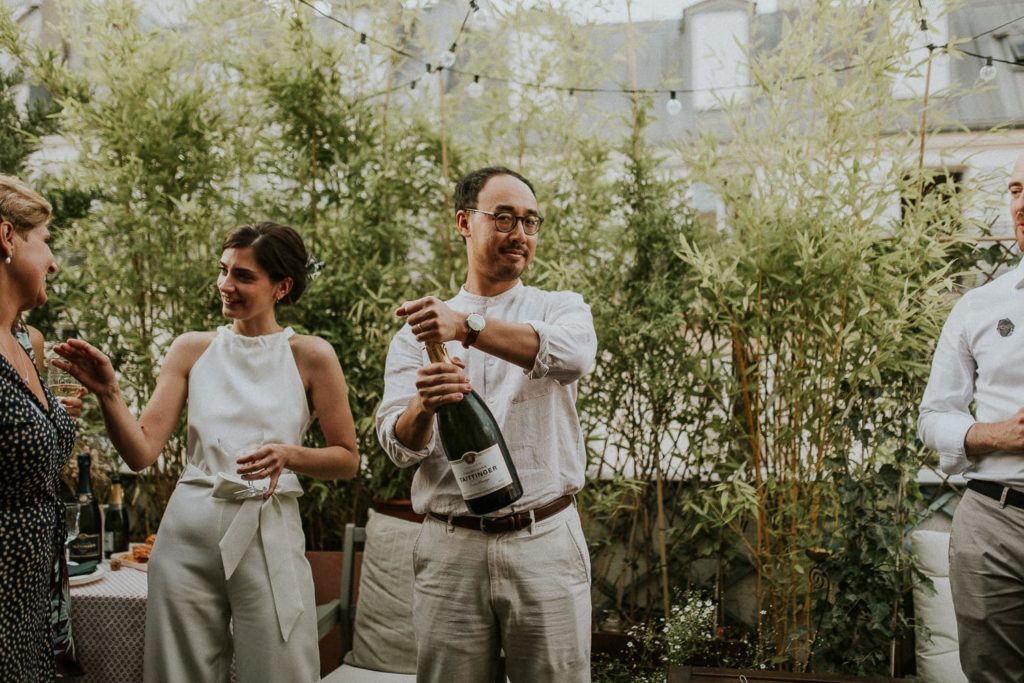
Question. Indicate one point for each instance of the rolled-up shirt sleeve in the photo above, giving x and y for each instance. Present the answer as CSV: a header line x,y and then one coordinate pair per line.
x,y
945,416
404,359
568,342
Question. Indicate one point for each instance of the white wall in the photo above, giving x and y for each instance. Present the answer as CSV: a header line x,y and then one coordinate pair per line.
x,y
717,43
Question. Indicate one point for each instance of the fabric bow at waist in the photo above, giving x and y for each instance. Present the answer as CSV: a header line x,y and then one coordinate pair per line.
x,y
267,518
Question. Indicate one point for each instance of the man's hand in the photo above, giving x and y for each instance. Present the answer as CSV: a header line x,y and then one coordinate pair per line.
x,y
986,437
441,383
436,385
432,321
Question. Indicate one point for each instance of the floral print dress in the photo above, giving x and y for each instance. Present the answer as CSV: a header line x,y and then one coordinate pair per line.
x,y
34,445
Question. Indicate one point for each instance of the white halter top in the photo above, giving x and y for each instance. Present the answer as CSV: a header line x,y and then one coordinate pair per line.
x,y
241,391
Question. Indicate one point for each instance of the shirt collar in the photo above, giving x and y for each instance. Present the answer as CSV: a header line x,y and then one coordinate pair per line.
x,y
476,300
1018,275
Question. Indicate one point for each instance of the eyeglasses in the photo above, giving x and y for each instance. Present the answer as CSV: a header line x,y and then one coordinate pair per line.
x,y
506,222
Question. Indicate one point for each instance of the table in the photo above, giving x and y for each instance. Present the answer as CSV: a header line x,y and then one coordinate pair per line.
x,y
108,622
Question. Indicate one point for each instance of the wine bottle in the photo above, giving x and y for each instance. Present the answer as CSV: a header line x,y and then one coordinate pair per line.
x,y
115,522
89,544
476,449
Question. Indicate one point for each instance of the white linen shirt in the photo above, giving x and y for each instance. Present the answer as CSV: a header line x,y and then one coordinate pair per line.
x,y
980,358
535,409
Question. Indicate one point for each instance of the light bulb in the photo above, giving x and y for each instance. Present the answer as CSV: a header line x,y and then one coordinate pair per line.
x,y
448,58
927,36
570,100
673,106
476,88
987,72
362,49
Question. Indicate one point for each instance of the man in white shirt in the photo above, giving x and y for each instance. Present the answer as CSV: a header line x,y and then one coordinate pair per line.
x,y
980,358
519,578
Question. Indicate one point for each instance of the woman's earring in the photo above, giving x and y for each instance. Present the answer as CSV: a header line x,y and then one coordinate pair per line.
x,y
7,260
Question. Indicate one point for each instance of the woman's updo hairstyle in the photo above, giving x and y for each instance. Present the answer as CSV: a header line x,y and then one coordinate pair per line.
x,y
279,251
22,206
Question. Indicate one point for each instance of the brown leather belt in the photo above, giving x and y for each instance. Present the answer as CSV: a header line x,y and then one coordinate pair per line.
x,y
514,522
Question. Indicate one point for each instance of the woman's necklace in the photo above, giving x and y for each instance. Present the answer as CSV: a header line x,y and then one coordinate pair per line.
x,y
15,360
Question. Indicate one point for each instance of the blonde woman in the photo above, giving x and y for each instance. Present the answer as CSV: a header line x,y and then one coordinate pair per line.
x,y
36,437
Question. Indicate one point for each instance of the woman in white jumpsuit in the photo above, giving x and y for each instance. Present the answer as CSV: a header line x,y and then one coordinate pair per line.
x,y
228,574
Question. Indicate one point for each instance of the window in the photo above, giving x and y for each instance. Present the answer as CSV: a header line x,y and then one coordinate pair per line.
x,y
718,43
1016,44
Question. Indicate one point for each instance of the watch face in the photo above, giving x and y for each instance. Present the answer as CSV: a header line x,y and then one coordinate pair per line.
x,y
475,321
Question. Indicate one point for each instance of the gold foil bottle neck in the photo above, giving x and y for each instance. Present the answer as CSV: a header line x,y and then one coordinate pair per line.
x,y
438,353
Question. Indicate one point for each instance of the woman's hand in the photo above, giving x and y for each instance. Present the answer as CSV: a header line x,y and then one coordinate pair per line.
x,y
88,365
73,405
269,460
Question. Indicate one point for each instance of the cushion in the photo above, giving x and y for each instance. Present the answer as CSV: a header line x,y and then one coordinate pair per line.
x,y
383,638
350,674
938,657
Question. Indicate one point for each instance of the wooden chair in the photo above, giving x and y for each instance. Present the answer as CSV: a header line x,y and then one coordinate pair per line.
x,y
341,611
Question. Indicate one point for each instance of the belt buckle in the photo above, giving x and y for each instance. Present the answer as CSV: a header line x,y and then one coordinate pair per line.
x,y
501,525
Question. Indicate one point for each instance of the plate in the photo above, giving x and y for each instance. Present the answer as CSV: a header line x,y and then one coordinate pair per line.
x,y
118,560
88,578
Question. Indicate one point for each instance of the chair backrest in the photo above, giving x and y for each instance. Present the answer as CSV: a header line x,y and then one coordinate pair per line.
x,y
354,536
337,612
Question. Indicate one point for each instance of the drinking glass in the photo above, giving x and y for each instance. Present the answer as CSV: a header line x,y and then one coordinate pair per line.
x,y
71,511
62,383
241,445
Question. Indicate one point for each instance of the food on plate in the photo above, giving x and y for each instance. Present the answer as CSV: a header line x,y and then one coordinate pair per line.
x,y
137,556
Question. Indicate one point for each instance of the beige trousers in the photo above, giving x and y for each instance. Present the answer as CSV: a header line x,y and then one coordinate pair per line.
x,y
526,592
196,620
986,572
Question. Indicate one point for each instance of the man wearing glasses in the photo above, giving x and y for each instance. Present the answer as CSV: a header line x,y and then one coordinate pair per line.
x,y
518,580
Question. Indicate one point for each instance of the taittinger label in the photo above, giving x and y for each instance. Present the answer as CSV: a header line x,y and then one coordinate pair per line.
x,y
481,473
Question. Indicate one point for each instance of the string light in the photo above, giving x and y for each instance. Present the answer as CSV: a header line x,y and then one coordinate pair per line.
x,y
987,72
673,106
928,37
448,58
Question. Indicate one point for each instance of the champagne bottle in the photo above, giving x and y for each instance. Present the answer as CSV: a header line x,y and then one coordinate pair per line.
x,y
115,522
89,544
476,449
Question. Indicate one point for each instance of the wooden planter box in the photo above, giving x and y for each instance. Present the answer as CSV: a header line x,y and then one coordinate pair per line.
x,y
698,674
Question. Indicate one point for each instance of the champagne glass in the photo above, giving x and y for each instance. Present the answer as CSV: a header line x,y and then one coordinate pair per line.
x,y
62,383
71,511
241,445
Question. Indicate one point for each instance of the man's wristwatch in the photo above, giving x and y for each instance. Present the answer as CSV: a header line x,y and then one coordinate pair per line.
x,y
475,324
